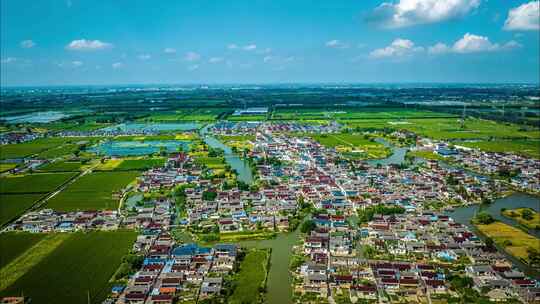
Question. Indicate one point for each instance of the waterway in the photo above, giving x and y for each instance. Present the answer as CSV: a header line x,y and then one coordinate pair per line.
x,y
137,148
397,157
464,215
240,165
279,283
37,117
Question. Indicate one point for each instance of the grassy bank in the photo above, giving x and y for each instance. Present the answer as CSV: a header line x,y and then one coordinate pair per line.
x,y
251,279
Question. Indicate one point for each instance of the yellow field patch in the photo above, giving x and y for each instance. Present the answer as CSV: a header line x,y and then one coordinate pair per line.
x,y
512,239
110,164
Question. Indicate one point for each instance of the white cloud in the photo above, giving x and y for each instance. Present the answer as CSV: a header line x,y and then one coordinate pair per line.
x,y
87,45
117,65
525,17
169,51
265,51
27,44
267,59
412,12
336,44
232,46
8,60
249,47
193,67
192,56
215,60
398,48
144,56
438,48
471,43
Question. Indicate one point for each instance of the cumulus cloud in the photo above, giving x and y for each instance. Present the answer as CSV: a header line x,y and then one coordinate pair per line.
x,y
27,44
169,51
144,56
525,17
76,63
404,13
215,60
471,43
192,56
87,45
232,46
267,59
398,48
193,67
117,65
336,44
248,47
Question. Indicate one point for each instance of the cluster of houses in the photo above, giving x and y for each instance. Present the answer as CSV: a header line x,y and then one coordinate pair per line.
x,y
18,137
48,220
410,257
172,272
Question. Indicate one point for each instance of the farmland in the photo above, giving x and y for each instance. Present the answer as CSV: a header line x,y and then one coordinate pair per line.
x,y
353,145
40,182
352,114
529,148
61,166
93,191
513,240
14,244
140,164
80,264
251,278
529,219
12,205
7,166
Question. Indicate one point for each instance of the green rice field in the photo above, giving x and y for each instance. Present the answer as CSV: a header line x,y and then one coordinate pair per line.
x,y
14,244
92,191
13,205
80,266
33,183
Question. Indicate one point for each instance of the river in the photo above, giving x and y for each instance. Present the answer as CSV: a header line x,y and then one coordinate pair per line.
x,y
241,166
397,157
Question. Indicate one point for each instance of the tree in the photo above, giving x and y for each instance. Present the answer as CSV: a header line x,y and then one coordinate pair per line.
x,y
489,242
308,226
209,195
527,214
484,218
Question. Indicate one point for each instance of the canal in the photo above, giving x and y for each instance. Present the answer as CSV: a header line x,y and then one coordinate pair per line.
x,y
240,165
396,158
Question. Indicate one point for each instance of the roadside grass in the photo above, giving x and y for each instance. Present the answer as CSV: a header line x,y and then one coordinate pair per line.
x,y
527,148
512,239
13,205
13,244
93,191
79,264
516,215
17,268
251,278
33,183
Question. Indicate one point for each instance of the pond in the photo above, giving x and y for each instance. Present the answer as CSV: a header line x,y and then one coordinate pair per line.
x,y
397,157
464,215
138,148
241,166
151,127
37,117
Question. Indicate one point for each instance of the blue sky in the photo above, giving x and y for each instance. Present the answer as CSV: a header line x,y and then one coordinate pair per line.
x,y
248,41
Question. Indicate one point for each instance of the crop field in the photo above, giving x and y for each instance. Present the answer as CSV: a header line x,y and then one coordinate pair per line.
x,y
58,151
140,164
61,166
450,128
251,278
14,244
352,145
532,222
79,265
92,191
109,164
33,183
199,114
527,148
353,113
6,167
40,145
12,205
513,240
211,162
240,142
